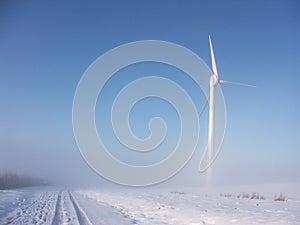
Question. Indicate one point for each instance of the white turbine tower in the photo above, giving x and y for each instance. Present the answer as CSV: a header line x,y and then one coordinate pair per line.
x,y
213,82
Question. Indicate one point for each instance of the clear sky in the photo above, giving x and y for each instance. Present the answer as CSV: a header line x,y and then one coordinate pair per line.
x,y
45,47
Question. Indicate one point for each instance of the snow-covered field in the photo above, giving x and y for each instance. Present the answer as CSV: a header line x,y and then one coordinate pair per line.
x,y
238,205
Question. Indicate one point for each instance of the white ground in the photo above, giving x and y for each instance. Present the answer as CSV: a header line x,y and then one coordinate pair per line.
x,y
151,206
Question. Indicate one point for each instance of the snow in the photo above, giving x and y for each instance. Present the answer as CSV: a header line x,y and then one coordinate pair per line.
x,y
229,205
192,206
28,206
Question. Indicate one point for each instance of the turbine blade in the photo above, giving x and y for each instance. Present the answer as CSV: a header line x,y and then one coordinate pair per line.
x,y
203,106
213,60
231,82
204,162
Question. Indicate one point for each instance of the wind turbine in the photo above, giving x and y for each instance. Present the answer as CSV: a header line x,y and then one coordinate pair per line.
x,y
214,81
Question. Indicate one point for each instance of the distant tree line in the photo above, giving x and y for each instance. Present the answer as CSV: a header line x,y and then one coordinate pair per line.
x,y
10,180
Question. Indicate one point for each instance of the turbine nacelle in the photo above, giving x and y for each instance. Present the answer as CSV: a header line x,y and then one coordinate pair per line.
x,y
214,80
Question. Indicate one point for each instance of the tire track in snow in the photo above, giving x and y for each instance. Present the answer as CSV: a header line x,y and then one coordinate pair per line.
x,y
82,217
58,217
65,210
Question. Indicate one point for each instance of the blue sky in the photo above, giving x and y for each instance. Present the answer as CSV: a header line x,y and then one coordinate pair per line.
x,y
45,47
